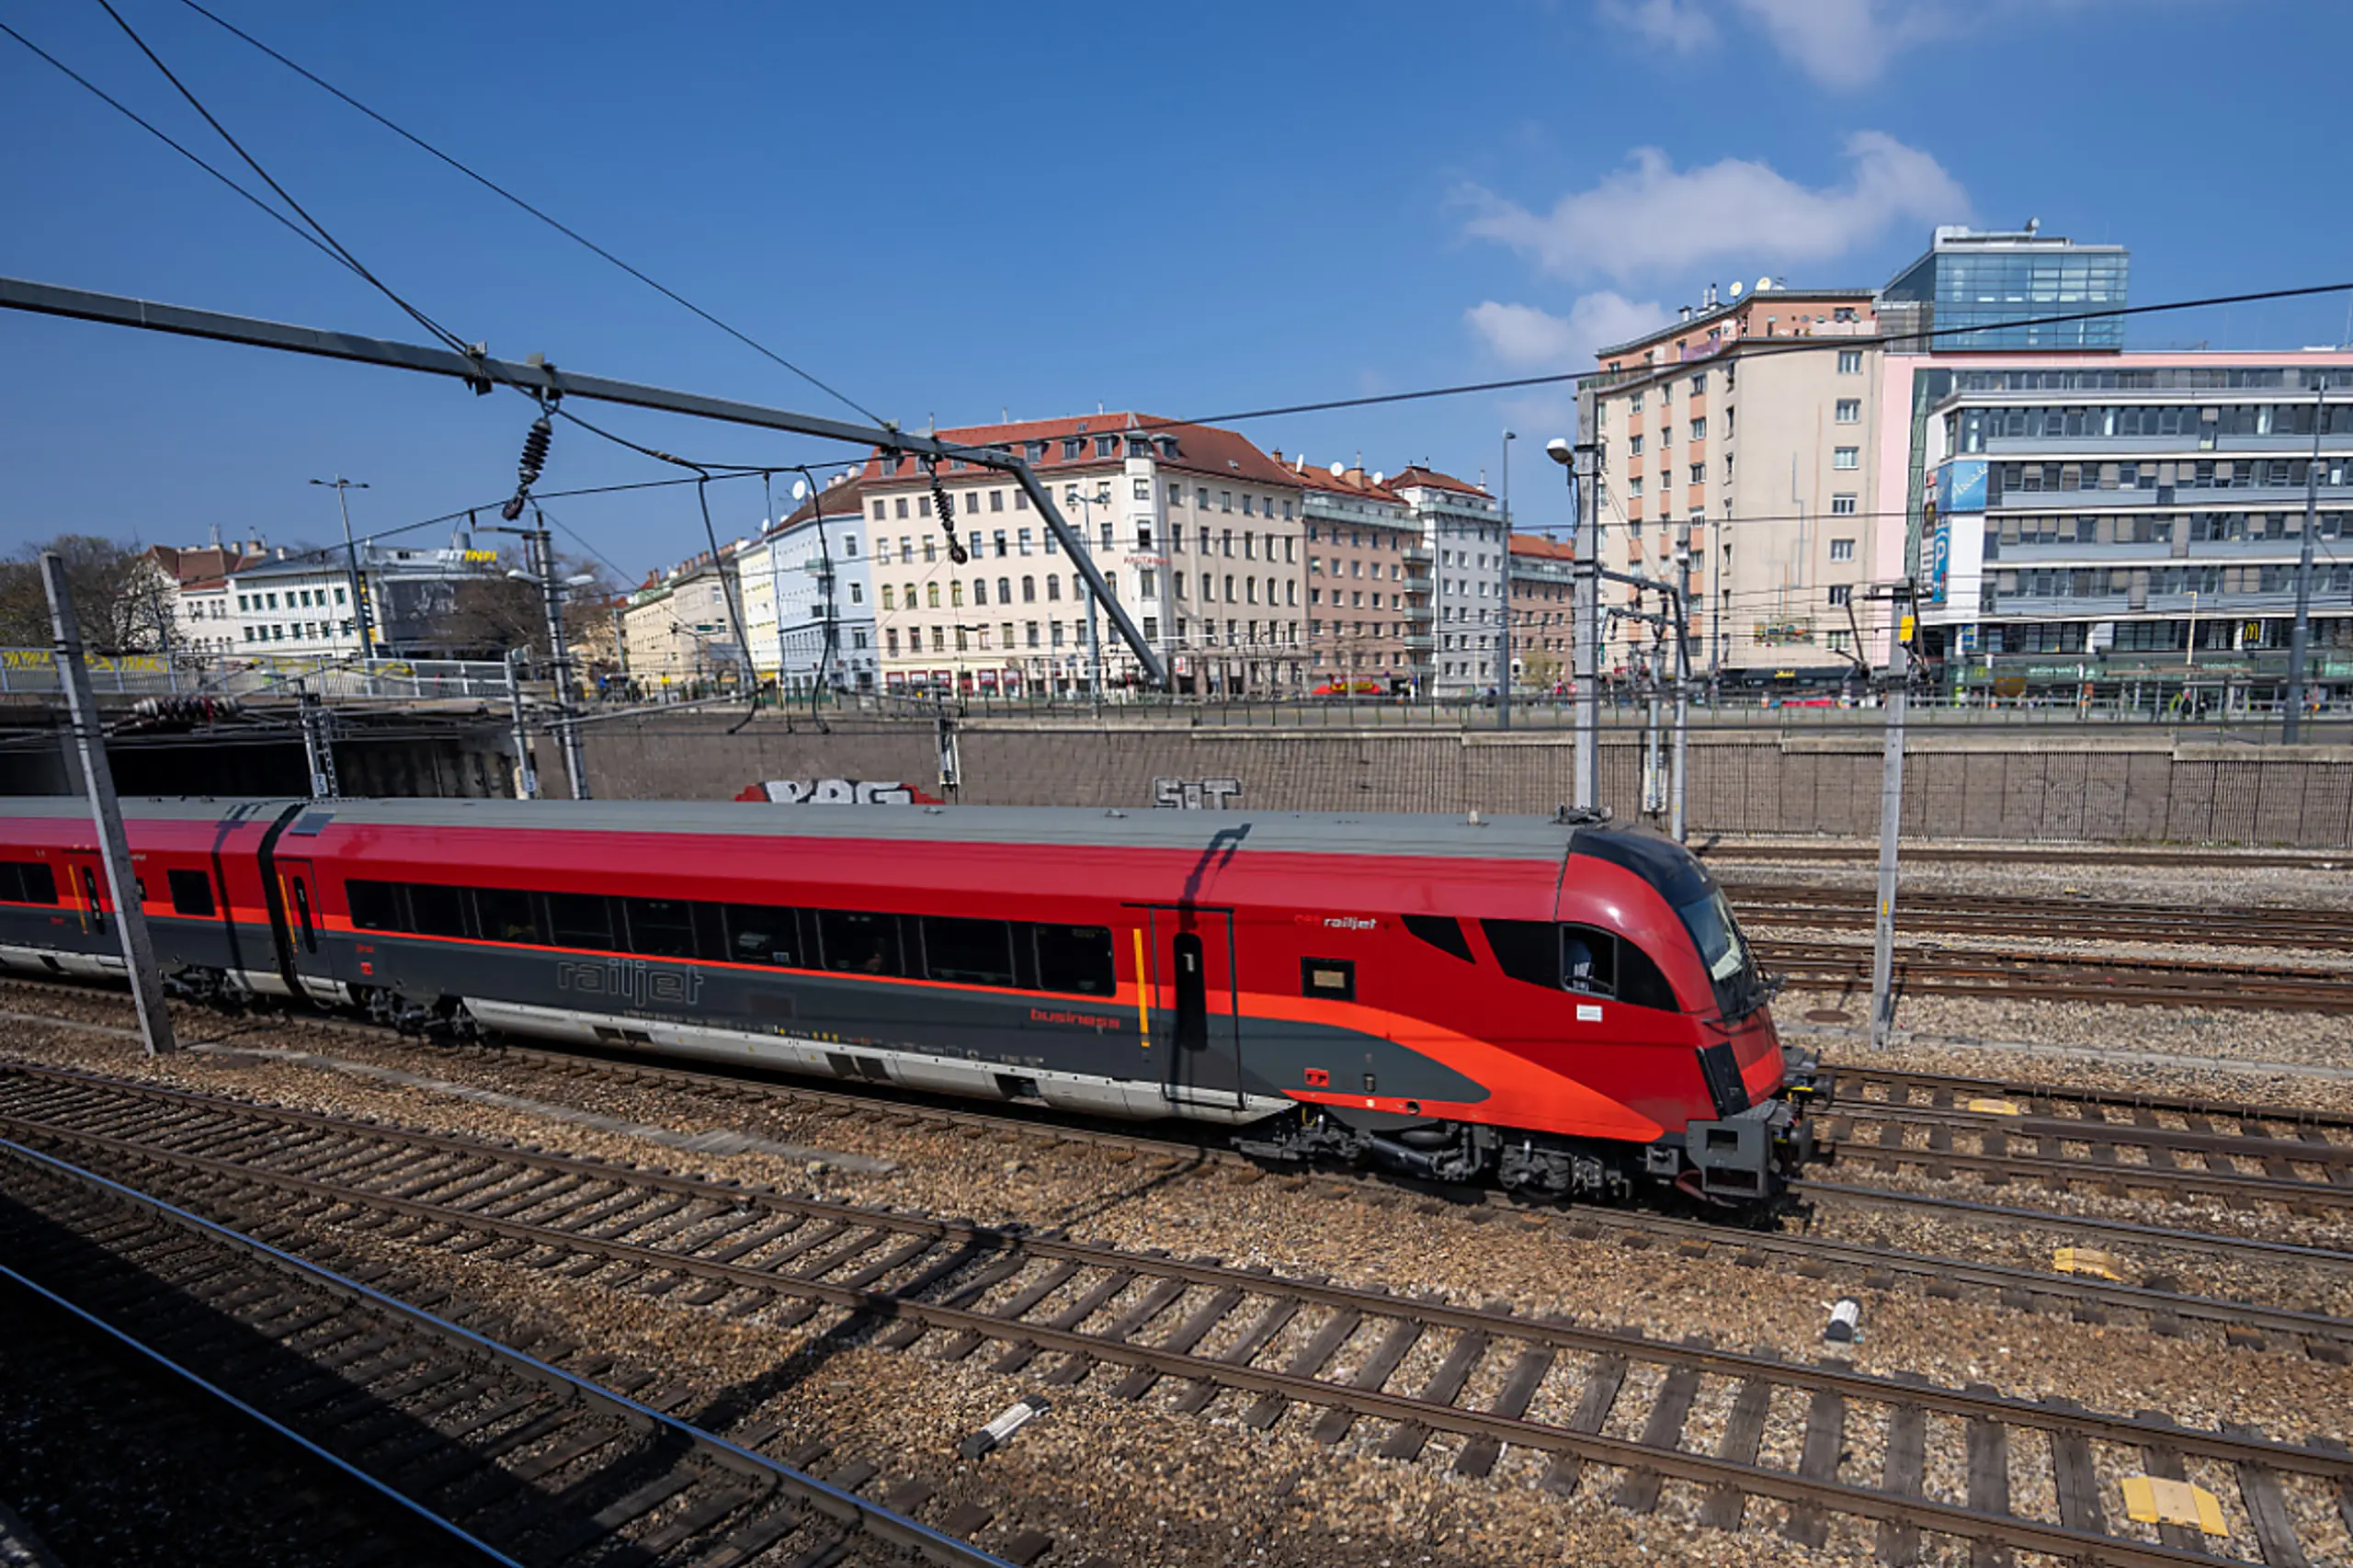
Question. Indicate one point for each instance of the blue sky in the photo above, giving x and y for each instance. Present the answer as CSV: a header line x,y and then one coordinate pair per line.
x,y
950,211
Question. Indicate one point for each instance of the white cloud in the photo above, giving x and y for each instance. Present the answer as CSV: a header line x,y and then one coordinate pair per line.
x,y
1849,43
1839,43
1525,335
1653,216
1680,25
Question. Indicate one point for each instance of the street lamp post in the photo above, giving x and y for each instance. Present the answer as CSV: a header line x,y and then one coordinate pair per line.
x,y
1503,615
342,488
1587,612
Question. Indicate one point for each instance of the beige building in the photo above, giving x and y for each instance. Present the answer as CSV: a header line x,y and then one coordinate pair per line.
x,y
1362,561
1196,531
679,631
1748,423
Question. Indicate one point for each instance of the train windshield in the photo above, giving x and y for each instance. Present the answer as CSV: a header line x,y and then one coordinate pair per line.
x,y
1697,901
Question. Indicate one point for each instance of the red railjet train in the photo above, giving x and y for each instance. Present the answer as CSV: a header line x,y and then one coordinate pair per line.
x,y
1564,1007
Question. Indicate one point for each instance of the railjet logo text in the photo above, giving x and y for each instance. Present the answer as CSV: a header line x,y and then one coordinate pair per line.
x,y
630,980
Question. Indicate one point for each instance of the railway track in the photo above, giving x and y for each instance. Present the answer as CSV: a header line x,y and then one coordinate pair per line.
x,y
1857,1081
493,1455
1719,852
1605,1410
1930,970
2156,1301
2058,917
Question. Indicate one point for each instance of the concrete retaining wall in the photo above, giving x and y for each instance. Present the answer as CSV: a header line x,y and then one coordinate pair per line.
x,y
2095,787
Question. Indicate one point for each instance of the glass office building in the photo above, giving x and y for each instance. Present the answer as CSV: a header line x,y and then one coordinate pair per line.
x,y
1978,291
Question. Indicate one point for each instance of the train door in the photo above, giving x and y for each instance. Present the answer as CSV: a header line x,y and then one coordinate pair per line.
x,y
1192,961
302,928
84,893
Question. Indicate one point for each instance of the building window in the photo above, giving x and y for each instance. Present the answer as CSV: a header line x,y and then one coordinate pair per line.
x,y
887,602
1635,488
1842,506
1841,593
1850,411
1142,489
1698,473
1851,361
1635,445
1699,381
931,595
1846,458
1699,429
890,641
1842,549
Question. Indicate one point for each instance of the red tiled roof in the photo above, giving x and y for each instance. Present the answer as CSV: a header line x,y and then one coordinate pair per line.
x,y
189,566
841,500
1538,546
1431,478
1347,482
1200,449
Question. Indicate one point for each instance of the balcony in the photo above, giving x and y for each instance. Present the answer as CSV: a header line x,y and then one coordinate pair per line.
x,y
1416,555
1419,642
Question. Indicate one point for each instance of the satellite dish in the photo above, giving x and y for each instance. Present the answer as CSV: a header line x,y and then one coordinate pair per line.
x,y
800,490
1735,287
1338,469
1763,284
1378,476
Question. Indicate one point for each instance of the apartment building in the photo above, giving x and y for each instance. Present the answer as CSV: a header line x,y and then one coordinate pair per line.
x,y
1363,565
2139,507
1543,603
191,587
679,627
1463,545
1746,433
807,600
1196,531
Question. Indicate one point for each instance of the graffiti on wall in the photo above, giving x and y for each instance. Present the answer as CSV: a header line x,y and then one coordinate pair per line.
x,y
1195,794
838,793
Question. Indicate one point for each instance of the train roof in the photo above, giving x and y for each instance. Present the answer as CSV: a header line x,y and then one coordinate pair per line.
x,y
1479,837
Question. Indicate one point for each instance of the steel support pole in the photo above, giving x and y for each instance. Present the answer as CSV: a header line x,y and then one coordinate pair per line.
x,y
1588,633
105,812
318,747
567,733
526,776
1891,822
2291,728
1676,827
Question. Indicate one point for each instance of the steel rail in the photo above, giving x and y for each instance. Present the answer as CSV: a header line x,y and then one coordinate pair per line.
x,y
2068,1130
1869,1258
1847,1074
842,1506
344,1467
2206,1242
980,1240
1625,1453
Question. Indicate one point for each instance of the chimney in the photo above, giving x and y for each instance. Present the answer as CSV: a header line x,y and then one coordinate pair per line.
x,y
1683,313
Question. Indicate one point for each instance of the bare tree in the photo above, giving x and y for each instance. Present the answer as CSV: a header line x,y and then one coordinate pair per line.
x,y
118,594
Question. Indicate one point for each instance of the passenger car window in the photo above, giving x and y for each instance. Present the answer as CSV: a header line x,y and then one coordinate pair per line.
x,y
375,906
1443,932
438,910
976,952
661,927
191,892
1075,958
857,943
507,915
757,933
581,920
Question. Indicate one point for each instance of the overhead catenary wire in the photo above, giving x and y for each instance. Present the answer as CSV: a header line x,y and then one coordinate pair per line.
x,y
558,226
115,104
449,338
